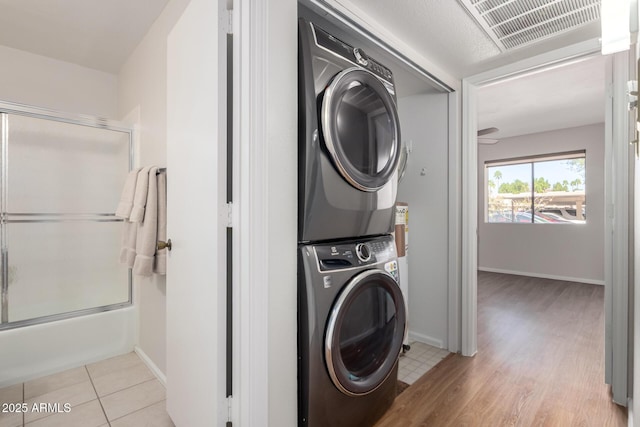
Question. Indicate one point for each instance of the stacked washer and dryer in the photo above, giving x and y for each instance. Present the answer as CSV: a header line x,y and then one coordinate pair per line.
x,y
351,312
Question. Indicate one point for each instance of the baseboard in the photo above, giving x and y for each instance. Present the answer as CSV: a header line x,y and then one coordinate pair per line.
x,y
152,366
415,336
543,276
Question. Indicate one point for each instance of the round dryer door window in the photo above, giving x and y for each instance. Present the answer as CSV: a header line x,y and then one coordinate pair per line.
x,y
361,129
364,333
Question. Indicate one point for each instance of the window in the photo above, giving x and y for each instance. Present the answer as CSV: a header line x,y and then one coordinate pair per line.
x,y
546,189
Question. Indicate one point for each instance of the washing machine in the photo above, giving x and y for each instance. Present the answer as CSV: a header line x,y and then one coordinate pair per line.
x,y
349,140
351,325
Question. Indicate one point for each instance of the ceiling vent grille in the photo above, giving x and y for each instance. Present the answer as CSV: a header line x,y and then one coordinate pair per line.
x,y
515,23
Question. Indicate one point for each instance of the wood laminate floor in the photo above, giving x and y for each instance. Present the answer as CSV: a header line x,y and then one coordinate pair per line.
x,y
540,362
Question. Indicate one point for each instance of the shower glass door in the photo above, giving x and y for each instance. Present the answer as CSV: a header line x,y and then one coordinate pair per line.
x,y
61,182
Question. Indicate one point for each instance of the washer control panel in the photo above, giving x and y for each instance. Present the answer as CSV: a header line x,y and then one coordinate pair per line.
x,y
342,255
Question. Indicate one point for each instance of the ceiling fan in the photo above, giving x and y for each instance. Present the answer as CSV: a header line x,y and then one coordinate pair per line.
x,y
487,131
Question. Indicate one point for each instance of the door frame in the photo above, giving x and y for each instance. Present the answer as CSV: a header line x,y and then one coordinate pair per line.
x,y
616,243
264,212
617,197
250,375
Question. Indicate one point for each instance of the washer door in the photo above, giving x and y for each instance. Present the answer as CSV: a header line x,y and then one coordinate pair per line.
x,y
361,128
364,333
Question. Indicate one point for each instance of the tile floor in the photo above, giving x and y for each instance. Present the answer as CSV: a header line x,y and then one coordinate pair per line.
x,y
417,361
123,392
116,392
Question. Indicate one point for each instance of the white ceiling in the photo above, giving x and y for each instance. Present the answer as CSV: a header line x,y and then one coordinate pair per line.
x,y
566,96
99,34
443,32
439,29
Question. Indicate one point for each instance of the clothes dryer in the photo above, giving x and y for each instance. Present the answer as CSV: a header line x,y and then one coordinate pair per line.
x,y
349,140
351,324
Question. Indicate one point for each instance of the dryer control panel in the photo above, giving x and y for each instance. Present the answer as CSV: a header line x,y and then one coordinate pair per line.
x,y
338,256
355,55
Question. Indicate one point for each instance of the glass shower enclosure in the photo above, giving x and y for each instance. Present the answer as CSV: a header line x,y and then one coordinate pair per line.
x,y
60,182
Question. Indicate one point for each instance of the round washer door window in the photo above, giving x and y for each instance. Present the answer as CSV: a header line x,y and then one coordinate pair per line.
x,y
364,333
361,129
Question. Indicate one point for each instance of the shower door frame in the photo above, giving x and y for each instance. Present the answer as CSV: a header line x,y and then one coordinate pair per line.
x,y
10,108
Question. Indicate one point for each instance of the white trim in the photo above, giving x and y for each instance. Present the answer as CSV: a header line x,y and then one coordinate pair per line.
x,y
621,150
425,339
251,264
152,366
608,223
537,63
455,224
470,170
469,323
543,276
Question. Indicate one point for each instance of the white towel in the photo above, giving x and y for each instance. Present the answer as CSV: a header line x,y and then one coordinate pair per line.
x,y
147,235
140,196
160,266
128,249
126,199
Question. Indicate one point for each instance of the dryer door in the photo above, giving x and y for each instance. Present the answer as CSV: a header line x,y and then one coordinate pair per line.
x,y
361,129
364,333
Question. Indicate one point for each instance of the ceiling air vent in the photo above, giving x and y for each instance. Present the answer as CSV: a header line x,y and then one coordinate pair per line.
x,y
515,23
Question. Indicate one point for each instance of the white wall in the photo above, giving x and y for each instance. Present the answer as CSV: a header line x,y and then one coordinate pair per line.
x,y
565,251
424,121
142,98
40,81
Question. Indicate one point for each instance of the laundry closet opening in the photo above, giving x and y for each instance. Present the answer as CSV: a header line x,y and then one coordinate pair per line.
x,y
427,132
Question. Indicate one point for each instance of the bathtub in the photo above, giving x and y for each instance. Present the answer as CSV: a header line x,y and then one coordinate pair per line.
x,y
34,351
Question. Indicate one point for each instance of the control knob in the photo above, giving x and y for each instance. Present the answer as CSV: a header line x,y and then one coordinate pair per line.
x,y
363,252
361,57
